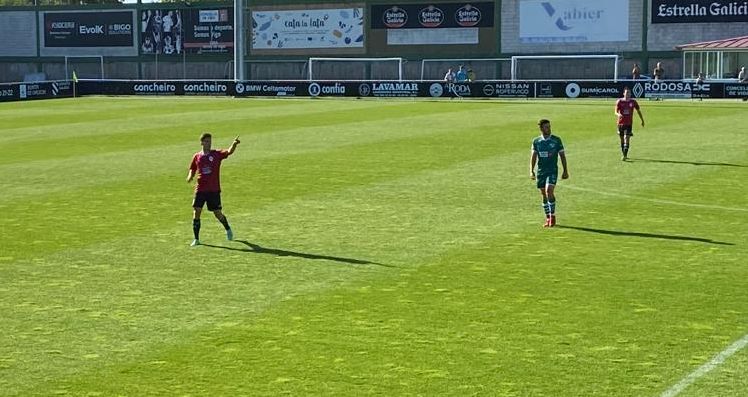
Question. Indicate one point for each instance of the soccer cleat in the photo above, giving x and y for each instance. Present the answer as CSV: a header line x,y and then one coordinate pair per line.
x,y
195,243
547,222
553,221
229,235
624,158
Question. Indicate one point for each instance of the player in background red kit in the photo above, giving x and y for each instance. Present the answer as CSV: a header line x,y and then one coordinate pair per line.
x,y
625,111
207,165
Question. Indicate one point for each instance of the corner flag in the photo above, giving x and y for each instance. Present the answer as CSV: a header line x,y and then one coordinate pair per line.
x,y
75,77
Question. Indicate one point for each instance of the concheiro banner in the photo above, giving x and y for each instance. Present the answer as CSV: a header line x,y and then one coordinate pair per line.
x,y
308,29
698,11
573,21
89,29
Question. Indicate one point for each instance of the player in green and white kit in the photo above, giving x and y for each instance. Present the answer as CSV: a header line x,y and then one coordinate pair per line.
x,y
546,149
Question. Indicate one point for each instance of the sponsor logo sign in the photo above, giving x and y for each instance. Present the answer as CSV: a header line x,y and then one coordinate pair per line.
x,y
267,89
668,89
592,90
155,88
573,21
389,89
205,88
736,90
432,16
209,31
394,17
89,29
699,11
326,89
308,29
508,90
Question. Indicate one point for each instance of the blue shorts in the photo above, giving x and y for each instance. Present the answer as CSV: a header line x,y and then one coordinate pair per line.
x,y
546,179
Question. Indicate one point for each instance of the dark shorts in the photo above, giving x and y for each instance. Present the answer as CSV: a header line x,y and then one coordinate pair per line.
x,y
213,199
625,130
546,179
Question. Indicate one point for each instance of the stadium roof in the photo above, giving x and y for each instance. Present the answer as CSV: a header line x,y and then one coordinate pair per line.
x,y
735,43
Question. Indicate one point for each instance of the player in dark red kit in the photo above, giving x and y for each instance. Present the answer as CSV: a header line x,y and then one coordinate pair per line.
x,y
207,165
625,111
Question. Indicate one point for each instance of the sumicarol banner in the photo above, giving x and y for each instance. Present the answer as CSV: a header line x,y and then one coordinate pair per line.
x,y
89,29
699,11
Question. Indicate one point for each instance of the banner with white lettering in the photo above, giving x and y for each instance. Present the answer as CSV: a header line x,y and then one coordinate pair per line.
x,y
41,90
698,11
306,29
432,16
89,29
573,21
209,31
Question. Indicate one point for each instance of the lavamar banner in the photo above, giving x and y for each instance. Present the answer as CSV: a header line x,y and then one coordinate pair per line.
x,y
699,11
89,29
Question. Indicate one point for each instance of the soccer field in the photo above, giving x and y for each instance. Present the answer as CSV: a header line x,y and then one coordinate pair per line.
x,y
382,247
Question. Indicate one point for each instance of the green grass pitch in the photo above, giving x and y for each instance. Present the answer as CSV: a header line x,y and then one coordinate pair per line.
x,y
383,247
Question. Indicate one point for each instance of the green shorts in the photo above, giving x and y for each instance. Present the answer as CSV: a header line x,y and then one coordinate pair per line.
x,y
546,179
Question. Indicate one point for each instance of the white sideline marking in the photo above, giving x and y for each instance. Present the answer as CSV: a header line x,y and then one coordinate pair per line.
x,y
670,202
704,369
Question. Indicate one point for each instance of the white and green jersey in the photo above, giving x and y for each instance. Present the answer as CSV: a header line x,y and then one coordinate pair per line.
x,y
547,150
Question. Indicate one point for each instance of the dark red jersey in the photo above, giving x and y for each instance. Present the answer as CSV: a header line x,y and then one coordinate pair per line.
x,y
626,110
208,170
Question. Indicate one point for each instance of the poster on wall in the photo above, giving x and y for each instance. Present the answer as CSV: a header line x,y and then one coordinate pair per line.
x,y
173,31
210,31
161,32
88,29
573,21
698,11
305,29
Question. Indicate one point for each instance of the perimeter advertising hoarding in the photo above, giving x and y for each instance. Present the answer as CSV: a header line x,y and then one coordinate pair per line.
x,y
573,21
308,29
89,29
432,15
44,90
433,89
698,11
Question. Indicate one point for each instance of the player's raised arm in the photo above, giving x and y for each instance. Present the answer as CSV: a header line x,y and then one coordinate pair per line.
x,y
232,148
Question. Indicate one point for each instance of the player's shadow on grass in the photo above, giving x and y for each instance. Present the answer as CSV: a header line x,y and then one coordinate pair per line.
x,y
634,160
258,249
645,235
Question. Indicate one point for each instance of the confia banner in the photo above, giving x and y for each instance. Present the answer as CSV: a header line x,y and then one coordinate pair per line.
x,y
698,11
307,29
88,29
573,21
